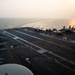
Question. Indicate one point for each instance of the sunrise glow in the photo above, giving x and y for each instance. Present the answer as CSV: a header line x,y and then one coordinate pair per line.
x,y
72,23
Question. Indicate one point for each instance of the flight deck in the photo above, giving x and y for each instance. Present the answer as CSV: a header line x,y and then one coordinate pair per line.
x,y
41,52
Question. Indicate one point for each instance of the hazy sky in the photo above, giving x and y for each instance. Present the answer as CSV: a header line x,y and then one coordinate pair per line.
x,y
37,8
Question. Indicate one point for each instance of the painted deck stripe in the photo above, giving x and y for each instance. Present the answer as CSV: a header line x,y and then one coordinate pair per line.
x,y
42,51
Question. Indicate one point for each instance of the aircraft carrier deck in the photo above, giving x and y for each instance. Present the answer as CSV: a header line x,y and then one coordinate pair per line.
x,y
43,54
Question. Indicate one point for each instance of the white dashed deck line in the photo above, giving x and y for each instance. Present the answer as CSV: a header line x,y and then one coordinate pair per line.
x,y
15,37
72,41
30,35
42,51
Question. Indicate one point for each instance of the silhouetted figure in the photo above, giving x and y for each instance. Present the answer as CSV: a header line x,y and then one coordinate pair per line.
x,y
73,28
46,32
50,31
37,31
70,27
63,27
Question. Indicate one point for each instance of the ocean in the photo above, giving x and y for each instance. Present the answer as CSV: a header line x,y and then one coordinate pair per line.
x,y
6,23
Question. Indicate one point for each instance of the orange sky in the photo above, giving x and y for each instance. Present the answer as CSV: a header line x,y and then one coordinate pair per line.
x,y
72,23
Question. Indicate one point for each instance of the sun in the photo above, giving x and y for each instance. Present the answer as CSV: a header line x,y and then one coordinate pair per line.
x,y
72,22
